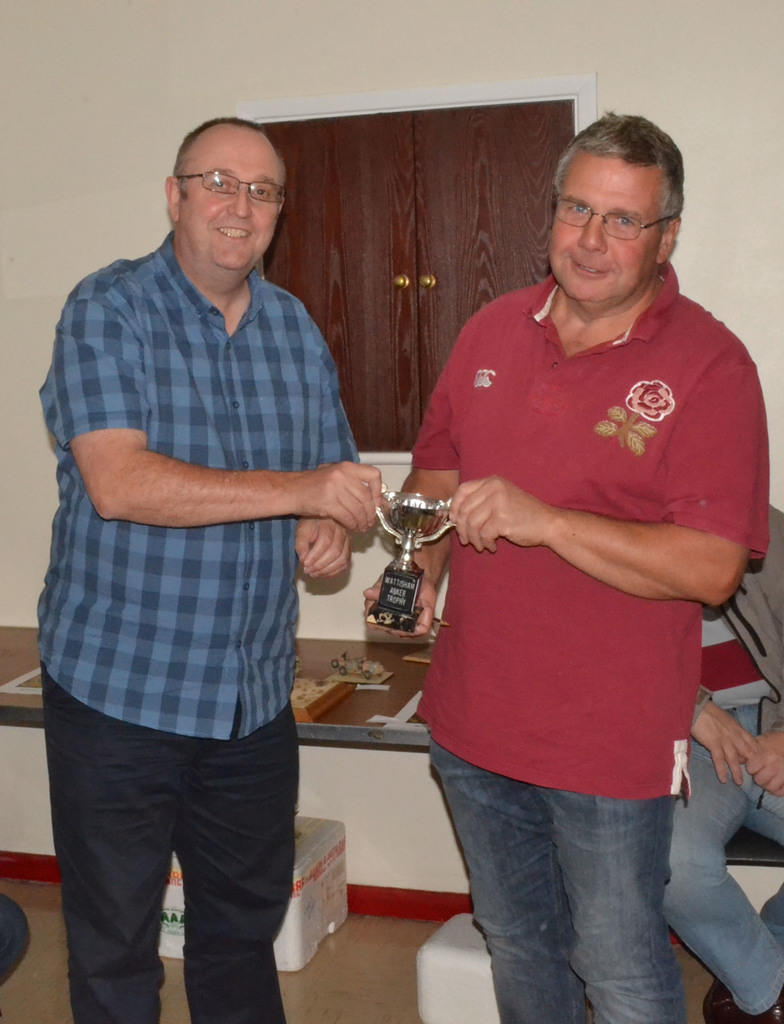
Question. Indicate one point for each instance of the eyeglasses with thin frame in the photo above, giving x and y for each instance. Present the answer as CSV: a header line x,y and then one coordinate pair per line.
x,y
228,185
617,225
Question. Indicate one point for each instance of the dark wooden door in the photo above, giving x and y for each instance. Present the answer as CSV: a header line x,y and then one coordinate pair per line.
x,y
484,178
398,227
348,230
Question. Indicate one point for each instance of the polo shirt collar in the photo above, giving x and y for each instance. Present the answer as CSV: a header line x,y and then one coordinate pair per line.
x,y
544,292
649,322
644,328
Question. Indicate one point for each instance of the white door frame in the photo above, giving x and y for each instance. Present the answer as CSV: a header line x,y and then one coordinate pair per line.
x,y
579,88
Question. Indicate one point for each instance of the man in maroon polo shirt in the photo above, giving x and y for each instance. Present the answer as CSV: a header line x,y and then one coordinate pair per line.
x,y
603,441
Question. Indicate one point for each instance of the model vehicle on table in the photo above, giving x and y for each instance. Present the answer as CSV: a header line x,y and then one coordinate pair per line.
x,y
346,665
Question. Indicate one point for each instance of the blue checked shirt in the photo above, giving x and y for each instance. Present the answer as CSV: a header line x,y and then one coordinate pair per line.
x,y
167,627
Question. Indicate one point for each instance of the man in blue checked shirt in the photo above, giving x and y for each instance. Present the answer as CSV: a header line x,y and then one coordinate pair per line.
x,y
203,453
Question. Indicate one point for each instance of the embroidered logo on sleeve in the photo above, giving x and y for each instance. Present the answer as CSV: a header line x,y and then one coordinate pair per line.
x,y
484,378
649,401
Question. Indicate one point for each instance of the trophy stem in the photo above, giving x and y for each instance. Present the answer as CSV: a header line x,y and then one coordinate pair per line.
x,y
406,559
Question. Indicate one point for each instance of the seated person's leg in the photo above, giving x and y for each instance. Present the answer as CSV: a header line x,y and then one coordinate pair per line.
x,y
772,915
767,818
704,904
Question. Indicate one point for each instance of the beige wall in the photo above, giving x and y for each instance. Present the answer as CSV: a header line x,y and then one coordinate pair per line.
x,y
97,94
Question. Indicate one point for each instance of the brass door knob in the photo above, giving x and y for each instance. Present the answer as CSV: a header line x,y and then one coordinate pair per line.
x,y
401,281
427,280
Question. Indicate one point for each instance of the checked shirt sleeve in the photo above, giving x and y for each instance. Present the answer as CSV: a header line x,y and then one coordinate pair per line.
x,y
96,380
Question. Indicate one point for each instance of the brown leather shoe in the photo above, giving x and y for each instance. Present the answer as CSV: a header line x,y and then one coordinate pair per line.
x,y
720,1008
775,1015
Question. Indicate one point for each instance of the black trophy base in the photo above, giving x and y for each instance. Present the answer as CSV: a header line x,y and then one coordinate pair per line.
x,y
396,607
401,621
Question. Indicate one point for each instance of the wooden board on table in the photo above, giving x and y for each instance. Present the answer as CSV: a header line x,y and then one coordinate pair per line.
x,y
312,698
419,659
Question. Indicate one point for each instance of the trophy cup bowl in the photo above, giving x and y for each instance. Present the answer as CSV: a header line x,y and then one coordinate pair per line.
x,y
412,519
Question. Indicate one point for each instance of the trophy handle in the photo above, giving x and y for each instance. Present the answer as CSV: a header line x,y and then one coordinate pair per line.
x,y
436,535
399,537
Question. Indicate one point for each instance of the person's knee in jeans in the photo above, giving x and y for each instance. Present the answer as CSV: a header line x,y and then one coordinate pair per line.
x,y
14,933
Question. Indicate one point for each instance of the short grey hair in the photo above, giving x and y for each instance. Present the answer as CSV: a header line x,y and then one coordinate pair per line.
x,y
636,140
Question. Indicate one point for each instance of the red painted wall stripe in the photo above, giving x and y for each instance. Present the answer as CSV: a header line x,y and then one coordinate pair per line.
x,y
411,904
29,867
373,900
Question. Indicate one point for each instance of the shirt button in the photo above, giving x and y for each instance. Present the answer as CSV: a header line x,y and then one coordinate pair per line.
x,y
235,405
246,586
245,463
251,526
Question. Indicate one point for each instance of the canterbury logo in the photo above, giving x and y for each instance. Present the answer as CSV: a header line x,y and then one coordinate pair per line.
x,y
484,378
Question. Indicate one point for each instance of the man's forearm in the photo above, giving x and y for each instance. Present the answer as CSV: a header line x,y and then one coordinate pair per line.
x,y
661,561
127,481
160,491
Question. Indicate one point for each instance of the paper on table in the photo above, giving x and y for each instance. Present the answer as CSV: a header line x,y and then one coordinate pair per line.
x,y
401,719
33,679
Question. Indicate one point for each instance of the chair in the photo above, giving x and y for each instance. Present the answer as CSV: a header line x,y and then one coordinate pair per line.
x,y
754,850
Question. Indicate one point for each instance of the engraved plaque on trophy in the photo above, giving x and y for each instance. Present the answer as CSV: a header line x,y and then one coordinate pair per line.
x,y
412,519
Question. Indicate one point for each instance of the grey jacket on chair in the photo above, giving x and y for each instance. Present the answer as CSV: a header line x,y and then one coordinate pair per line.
x,y
755,613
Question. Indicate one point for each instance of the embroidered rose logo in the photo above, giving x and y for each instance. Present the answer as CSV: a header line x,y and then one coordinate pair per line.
x,y
649,399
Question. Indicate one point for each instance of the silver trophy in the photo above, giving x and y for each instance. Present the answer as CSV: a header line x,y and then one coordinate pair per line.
x,y
412,519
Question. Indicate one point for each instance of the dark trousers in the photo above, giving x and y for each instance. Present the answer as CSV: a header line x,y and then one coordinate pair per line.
x,y
123,796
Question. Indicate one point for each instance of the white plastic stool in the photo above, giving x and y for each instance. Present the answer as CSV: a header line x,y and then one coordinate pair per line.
x,y
454,983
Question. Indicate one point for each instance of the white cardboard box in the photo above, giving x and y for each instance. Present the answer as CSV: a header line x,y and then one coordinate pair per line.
x,y
454,980
318,904
173,914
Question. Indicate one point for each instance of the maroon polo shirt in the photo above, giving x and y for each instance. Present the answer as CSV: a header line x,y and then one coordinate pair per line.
x,y
544,673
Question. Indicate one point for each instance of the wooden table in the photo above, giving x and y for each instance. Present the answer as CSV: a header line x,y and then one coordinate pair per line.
x,y
345,724
18,656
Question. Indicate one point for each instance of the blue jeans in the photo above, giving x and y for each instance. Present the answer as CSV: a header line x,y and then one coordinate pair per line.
x,y
122,797
568,890
704,904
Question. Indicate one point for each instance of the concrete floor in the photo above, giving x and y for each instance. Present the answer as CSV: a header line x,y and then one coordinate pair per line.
x,y
365,973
